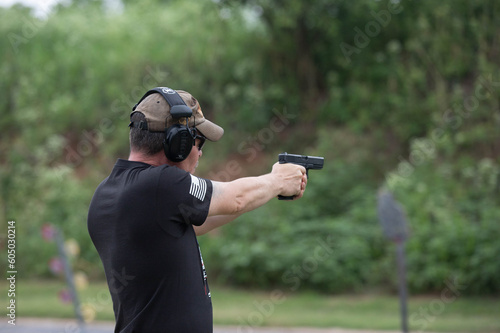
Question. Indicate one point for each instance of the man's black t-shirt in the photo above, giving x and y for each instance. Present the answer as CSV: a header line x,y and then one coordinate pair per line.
x,y
140,220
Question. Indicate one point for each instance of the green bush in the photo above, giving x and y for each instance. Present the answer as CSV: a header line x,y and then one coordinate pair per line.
x,y
453,209
416,108
453,234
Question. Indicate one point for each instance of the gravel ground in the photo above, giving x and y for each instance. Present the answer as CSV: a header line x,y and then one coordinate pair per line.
x,y
38,325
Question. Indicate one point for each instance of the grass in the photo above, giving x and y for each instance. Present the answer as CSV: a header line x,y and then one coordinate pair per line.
x,y
247,308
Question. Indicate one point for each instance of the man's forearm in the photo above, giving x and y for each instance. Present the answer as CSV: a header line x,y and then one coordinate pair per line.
x,y
213,222
239,196
243,194
255,191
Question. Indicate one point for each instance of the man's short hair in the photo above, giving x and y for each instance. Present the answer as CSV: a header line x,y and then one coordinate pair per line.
x,y
146,142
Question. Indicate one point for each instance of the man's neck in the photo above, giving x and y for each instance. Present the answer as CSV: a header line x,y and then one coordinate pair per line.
x,y
154,160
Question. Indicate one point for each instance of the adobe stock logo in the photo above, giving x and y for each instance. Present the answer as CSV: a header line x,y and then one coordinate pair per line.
x,y
428,314
30,25
292,278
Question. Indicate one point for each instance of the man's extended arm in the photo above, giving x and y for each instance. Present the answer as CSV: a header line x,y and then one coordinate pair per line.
x,y
245,194
231,199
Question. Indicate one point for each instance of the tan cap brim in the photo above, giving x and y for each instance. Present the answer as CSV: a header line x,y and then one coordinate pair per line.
x,y
210,130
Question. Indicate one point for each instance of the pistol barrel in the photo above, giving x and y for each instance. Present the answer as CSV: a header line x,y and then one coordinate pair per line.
x,y
308,162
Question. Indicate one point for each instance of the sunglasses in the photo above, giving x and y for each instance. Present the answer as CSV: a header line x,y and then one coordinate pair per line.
x,y
202,141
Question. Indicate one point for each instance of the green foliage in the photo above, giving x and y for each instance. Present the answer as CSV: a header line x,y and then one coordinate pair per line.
x,y
453,208
453,213
61,200
412,104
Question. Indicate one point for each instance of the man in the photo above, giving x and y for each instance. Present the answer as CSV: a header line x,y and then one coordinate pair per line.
x,y
145,216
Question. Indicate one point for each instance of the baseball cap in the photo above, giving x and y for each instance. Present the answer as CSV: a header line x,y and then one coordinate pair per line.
x,y
157,112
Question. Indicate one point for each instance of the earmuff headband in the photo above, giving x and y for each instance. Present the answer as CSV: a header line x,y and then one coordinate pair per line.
x,y
178,108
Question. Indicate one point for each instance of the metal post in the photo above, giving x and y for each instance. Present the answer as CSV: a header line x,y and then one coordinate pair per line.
x,y
403,294
394,225
69,277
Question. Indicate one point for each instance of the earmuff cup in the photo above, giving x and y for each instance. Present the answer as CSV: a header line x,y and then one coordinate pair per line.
x,y
179,141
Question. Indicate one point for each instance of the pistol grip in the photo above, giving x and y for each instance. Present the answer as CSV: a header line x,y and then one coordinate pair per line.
x,y
282,197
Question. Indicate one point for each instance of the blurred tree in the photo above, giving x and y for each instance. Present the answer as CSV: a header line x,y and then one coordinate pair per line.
x,y
297,33
367,84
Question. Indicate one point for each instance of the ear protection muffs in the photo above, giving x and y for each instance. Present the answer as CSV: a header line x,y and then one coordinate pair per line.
x,y
179,139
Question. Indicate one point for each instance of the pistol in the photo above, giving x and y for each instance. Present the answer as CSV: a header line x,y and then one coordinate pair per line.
x,y
308,162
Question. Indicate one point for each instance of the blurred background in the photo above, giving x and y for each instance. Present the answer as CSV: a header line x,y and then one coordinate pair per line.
x,y
396,94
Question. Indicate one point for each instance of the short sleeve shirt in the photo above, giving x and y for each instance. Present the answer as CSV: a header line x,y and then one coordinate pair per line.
x,y
141,222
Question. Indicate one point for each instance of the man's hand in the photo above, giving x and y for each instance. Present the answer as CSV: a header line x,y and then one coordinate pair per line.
x,y
292,178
